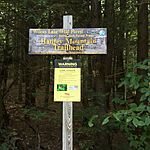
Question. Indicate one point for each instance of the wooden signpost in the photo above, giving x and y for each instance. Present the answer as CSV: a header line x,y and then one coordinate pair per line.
x,y
67,41
67,132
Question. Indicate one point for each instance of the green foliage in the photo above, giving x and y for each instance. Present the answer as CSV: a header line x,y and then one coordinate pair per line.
x,y
90,123
34,113
106,120
4,146
134,119
87,145
8,140
90,114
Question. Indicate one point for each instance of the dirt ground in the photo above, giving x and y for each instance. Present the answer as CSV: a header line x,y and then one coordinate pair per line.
x,y
46,133
30,133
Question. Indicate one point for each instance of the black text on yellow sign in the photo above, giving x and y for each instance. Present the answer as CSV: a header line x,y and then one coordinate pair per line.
x,y
67,81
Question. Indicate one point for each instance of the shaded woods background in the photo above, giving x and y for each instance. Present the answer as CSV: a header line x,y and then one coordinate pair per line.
x,y
29,119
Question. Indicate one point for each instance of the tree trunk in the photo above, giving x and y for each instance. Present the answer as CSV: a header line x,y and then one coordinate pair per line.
x,y
109,23
100,69
47,85
3,113
3,83
118,59
86,84
29,85
96,17
98,60
142,43
18,74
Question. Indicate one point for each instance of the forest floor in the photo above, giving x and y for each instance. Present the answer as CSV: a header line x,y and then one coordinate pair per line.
x,y
35,127
41,128
32,132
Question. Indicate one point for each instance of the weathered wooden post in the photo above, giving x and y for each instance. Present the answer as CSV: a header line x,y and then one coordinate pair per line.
x,y
67,79
67,130
67,85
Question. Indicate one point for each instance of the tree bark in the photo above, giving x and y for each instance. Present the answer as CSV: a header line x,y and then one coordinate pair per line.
x,y
120,48
98,60
47,85
3,83
29,82
102,67
109,23
142,42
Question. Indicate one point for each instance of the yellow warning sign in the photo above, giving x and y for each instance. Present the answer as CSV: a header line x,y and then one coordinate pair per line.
x,y
67,81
